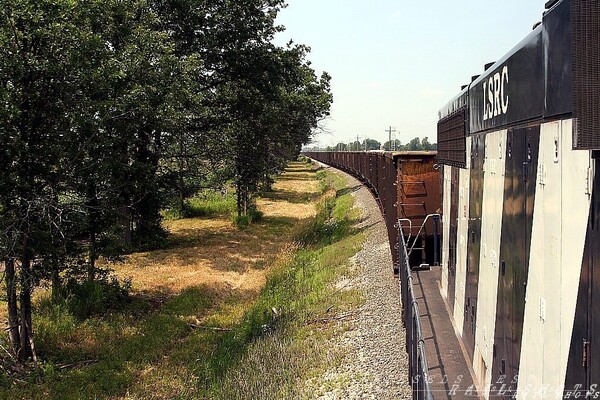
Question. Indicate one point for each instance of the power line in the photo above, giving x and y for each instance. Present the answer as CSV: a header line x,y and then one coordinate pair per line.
x,y
390,131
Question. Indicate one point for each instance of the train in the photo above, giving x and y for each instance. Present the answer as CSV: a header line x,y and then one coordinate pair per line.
x,y
406,186
518,181
519,150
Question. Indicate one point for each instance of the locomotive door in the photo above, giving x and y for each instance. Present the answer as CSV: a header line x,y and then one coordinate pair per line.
x,y
519,195
453,236
584,365
473,242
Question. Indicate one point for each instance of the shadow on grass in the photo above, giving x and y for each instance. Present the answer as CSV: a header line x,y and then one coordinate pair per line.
x,y
278,224
290,196
115,347
194,237
296,177
299,167
348,190
225,251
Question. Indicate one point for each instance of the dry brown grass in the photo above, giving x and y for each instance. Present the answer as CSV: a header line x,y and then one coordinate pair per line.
x,y
214,252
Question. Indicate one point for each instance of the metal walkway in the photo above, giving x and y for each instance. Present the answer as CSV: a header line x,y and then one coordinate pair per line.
x,y
449,374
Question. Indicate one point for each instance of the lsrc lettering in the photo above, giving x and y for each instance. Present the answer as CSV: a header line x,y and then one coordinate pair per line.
x,y
495,97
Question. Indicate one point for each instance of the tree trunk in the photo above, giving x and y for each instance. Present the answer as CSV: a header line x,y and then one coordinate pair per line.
x,y
147,207
181,180
242,201
239,200
92,210
25,301
56,284
91,273
126,222
182,201
13,313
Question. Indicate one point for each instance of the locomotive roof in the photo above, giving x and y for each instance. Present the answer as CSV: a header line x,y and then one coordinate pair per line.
x,y
534,78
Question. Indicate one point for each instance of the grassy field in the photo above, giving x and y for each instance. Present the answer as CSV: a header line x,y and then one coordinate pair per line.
x,y
221,313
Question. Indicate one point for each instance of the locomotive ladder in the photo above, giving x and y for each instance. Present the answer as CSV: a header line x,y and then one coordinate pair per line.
x,y
410,247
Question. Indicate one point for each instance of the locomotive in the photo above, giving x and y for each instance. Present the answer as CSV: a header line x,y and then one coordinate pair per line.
x,y
519,149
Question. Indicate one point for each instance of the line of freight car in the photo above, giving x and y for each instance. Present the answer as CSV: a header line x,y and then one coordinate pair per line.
x,y
406,186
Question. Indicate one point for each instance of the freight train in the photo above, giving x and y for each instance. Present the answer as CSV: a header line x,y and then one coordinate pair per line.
x,y
406,187
521,211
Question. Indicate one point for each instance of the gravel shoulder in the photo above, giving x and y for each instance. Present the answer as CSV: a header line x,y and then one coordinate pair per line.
x,y
375,364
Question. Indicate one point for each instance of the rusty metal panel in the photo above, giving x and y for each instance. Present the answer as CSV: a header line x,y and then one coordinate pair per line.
x,y
389,205
418,190
418,195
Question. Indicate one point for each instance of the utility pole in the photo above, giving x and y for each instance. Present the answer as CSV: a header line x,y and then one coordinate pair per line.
x,y
390,131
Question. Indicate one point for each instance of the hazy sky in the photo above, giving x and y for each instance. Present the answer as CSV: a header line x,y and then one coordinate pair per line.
x,y
397,62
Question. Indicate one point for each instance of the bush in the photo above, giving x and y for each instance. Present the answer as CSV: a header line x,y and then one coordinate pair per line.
x,y
204,204
86,298
304,159
244,220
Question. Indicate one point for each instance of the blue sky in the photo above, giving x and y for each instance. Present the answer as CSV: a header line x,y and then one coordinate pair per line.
x,y
397,62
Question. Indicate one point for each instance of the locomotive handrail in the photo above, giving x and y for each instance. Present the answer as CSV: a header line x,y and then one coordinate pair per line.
x,y
409,227
415,343
420,229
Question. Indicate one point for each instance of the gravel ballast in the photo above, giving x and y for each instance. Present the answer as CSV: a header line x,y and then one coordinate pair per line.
x,y
375,364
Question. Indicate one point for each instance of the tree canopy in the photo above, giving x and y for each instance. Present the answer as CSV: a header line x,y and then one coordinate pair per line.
x,y
415,144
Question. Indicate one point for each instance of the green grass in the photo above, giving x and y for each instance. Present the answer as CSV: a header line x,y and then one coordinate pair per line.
x,y
244,221
247,347
208,204
117,345
270,354
205,204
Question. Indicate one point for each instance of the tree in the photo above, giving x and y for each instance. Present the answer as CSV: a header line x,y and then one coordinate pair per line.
x,y
40,83
355,146
371,144
425,145
341,147
113,110
394,145
414,145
